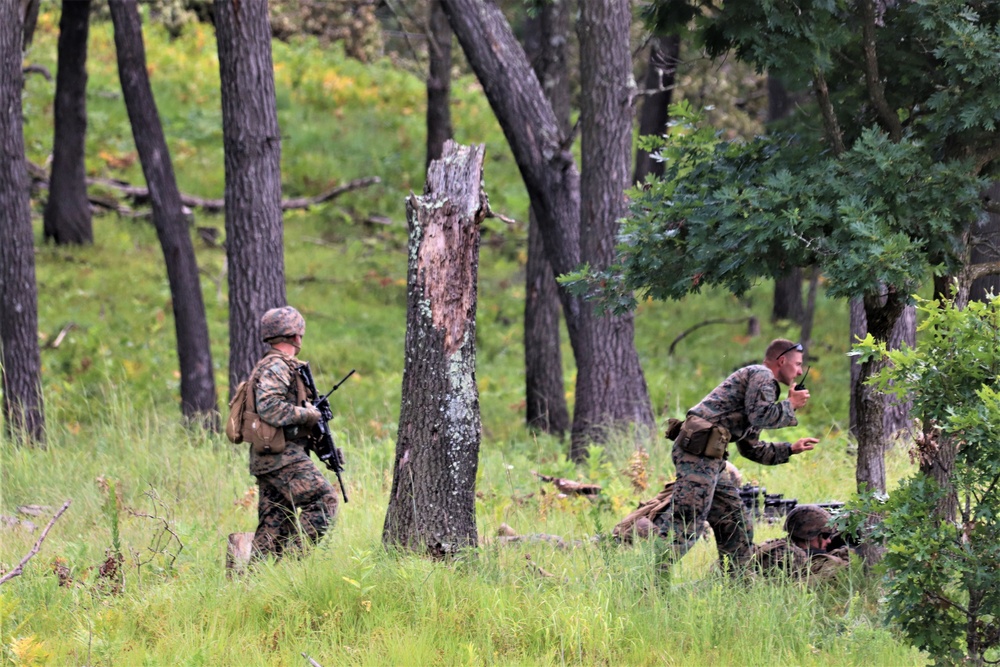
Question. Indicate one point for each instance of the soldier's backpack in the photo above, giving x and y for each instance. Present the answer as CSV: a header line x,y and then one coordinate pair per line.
x,y
245,425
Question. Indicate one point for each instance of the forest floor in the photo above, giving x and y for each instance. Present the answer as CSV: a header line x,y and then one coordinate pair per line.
x,y
111,389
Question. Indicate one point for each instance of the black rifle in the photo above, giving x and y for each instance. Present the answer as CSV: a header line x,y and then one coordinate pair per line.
x,y
774,505
323,444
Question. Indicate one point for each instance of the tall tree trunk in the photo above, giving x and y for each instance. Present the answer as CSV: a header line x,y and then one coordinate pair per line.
x,y
661,74
23,410
546,45
895,411
553,184
438,81
432,504
787,303
198,398
608,343
67,212
252,142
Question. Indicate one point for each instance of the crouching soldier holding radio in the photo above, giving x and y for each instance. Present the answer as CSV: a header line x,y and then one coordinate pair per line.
x,y
737,410
278,428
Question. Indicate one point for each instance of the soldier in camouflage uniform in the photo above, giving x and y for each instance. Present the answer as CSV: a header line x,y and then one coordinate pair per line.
x,y
288,481
737,410
803,554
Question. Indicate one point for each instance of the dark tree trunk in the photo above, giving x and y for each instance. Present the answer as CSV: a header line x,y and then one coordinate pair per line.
x,y
198,398
613,368
438,82
432,505
252,142
67,212
809,315
23,410
788,297
553,183
545,393
987,249
788,288
895,412
661,73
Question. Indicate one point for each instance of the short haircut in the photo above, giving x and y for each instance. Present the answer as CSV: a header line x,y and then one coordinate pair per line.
x,y
777,347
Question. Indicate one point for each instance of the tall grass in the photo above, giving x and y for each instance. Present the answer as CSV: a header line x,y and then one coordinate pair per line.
x,y
111,388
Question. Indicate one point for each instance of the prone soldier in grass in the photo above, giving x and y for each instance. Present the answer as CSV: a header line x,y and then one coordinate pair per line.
x,y
805,552
737,411
279,454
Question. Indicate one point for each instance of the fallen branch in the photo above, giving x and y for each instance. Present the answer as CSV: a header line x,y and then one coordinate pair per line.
x,y
569,487
139,194
312,662
16,572
690,330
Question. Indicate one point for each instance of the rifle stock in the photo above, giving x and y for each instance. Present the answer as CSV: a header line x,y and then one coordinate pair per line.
x,y
322,443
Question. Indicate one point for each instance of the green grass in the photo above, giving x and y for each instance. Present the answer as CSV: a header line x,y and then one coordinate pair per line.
x,y
111,390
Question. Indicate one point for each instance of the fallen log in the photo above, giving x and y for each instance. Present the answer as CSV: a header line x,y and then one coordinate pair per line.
x,y
238,551
140,195
569,487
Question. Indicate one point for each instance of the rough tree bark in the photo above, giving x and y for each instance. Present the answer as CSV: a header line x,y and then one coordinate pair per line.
x,y
23,410
787,303
198,397
661,73
546,45
550,175
432,502
67,212
252,142
895,412
987,233
438,82
606,135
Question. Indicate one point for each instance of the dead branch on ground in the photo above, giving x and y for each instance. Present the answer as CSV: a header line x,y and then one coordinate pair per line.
x,y
16,572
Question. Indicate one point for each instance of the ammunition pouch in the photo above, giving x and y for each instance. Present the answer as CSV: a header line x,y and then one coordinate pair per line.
x,y
702,438
264,439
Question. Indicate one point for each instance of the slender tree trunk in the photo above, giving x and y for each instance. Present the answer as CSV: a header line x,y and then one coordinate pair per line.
x,y
432,505
438,82
545,394
613,367
23,410
553,183
198,397
67,212
252,141
895,411
661,73
809,315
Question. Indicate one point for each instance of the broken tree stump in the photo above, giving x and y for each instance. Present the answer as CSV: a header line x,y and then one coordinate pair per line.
x,y
238,550
432,503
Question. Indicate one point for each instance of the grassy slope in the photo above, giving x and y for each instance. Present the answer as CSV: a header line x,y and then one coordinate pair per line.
x,y
111,390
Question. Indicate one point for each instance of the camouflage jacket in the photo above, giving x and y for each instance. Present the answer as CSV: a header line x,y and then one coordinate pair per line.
x,y
781,556
276,396
746,403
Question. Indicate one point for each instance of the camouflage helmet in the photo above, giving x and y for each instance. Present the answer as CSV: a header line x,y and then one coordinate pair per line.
x,y
280,323
805,522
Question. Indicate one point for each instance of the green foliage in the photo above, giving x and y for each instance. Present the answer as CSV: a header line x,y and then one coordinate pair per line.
x,y
945,581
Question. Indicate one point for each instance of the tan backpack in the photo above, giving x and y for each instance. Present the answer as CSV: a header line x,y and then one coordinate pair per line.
x,y
245,425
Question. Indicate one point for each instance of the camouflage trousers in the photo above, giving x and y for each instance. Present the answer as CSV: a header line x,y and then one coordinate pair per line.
x,y
702,493
300,487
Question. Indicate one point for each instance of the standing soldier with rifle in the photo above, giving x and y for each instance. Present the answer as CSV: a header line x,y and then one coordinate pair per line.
x,y
279,454
737,410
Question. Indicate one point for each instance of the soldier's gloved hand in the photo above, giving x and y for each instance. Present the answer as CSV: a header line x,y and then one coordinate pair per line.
x,y
312,415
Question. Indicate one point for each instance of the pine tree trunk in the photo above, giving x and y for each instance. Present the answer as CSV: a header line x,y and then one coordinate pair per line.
x,y
438,82
553,183
198,397
546,37
432,502
987,231
661,72
787,303
23,410
252,142
67,212
611,389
